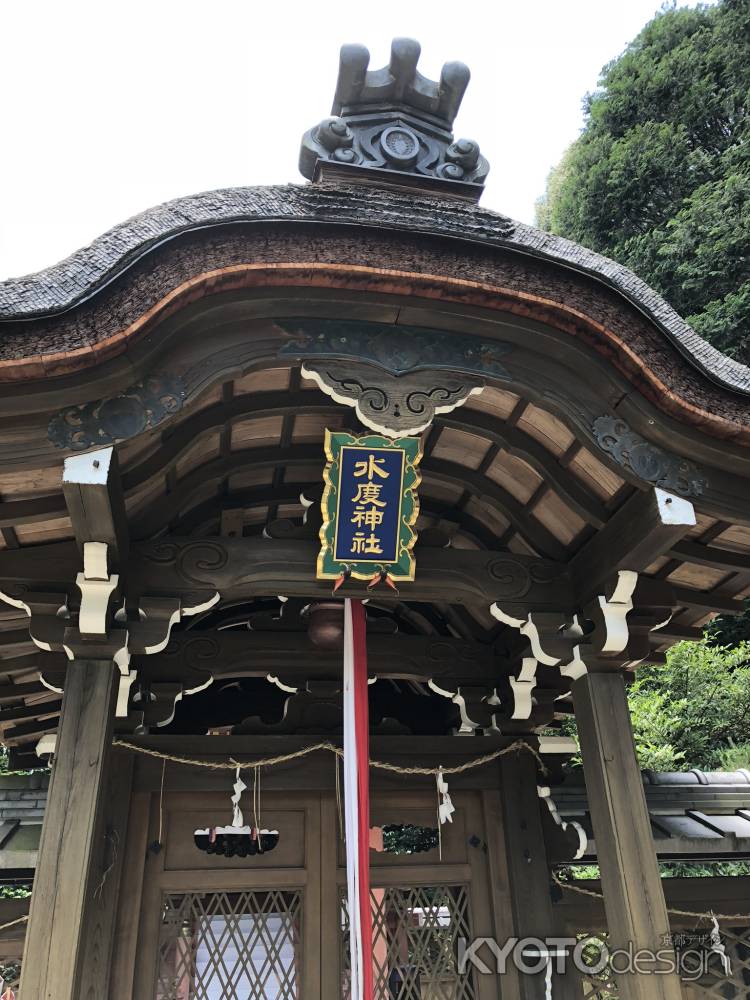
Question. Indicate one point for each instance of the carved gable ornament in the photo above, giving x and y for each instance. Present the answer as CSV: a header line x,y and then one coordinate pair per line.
x,y
370,507
117,418
397,378
390,404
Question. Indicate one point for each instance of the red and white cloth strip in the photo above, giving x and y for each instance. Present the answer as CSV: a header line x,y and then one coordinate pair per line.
x,y
357,799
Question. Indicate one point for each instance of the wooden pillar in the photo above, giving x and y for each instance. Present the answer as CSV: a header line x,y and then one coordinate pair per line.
x,y
60,921
633,892
108,862
528,872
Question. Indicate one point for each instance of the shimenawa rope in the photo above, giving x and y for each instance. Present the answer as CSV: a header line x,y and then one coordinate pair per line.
x,y
675,913
220,765
12,923
519,745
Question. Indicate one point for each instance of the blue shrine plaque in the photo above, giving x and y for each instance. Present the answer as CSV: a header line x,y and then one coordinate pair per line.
x,y
369,507
369,510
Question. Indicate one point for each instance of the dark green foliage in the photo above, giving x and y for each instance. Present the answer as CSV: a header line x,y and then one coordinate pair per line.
x,y
695,710
660,177
405,838
730,630
15,890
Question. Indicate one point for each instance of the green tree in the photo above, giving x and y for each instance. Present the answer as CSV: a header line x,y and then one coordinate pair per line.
x,y
692,711
659,179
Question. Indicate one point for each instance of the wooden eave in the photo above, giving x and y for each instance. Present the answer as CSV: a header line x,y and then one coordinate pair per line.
x,y
516,469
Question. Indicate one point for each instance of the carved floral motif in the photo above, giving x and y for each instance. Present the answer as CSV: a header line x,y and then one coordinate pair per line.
x,y
397,349
646,460
105,421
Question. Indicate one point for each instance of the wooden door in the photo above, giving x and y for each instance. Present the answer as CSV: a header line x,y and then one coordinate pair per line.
x,y
218,928
422,903
194,926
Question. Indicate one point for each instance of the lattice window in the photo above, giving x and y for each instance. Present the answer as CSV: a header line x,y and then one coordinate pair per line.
x,y
416,931
713,984
600,987
736,986
230,946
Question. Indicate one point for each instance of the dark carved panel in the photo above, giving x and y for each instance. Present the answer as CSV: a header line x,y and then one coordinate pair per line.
x,y
397,349
105,421
646,460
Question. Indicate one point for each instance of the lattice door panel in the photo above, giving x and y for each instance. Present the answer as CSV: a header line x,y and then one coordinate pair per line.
x,y
600,988
416,933
230,946
735,986
712,984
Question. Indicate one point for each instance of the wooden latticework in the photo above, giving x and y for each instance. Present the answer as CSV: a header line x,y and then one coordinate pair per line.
x,y
713,984
230,946
416,932
735,986
601,987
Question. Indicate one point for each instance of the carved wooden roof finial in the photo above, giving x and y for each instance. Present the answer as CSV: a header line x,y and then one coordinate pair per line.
x,y
395,126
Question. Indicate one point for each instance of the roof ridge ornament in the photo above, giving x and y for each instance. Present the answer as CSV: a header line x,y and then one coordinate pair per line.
x,y
394,126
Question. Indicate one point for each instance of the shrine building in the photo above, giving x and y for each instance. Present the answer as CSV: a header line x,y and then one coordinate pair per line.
x,y
256,438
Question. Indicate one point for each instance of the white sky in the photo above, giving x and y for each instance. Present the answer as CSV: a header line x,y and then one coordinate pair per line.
x,y
108,109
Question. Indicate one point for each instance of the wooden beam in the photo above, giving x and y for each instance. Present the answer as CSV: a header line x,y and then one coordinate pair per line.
x,y
93,495
708,555
516,441
165,508
242,568
633,891
56,943
712,600
645,527
102,907
294,658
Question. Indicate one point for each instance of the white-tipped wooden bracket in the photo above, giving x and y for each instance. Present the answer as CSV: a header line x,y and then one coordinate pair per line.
x,y
523,688
614,612
96,587
545,794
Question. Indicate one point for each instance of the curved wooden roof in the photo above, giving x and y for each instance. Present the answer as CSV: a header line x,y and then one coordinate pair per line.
x,y
93,269
180,336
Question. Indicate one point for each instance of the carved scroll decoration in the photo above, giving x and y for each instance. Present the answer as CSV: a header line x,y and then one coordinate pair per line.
x,y
195,562
392,405
646,460
139,408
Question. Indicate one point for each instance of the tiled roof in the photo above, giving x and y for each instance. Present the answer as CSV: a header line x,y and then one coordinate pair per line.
x,y
694,814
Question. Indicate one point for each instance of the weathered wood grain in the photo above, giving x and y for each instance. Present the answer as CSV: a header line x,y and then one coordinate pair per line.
x,y
633,891
54,955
